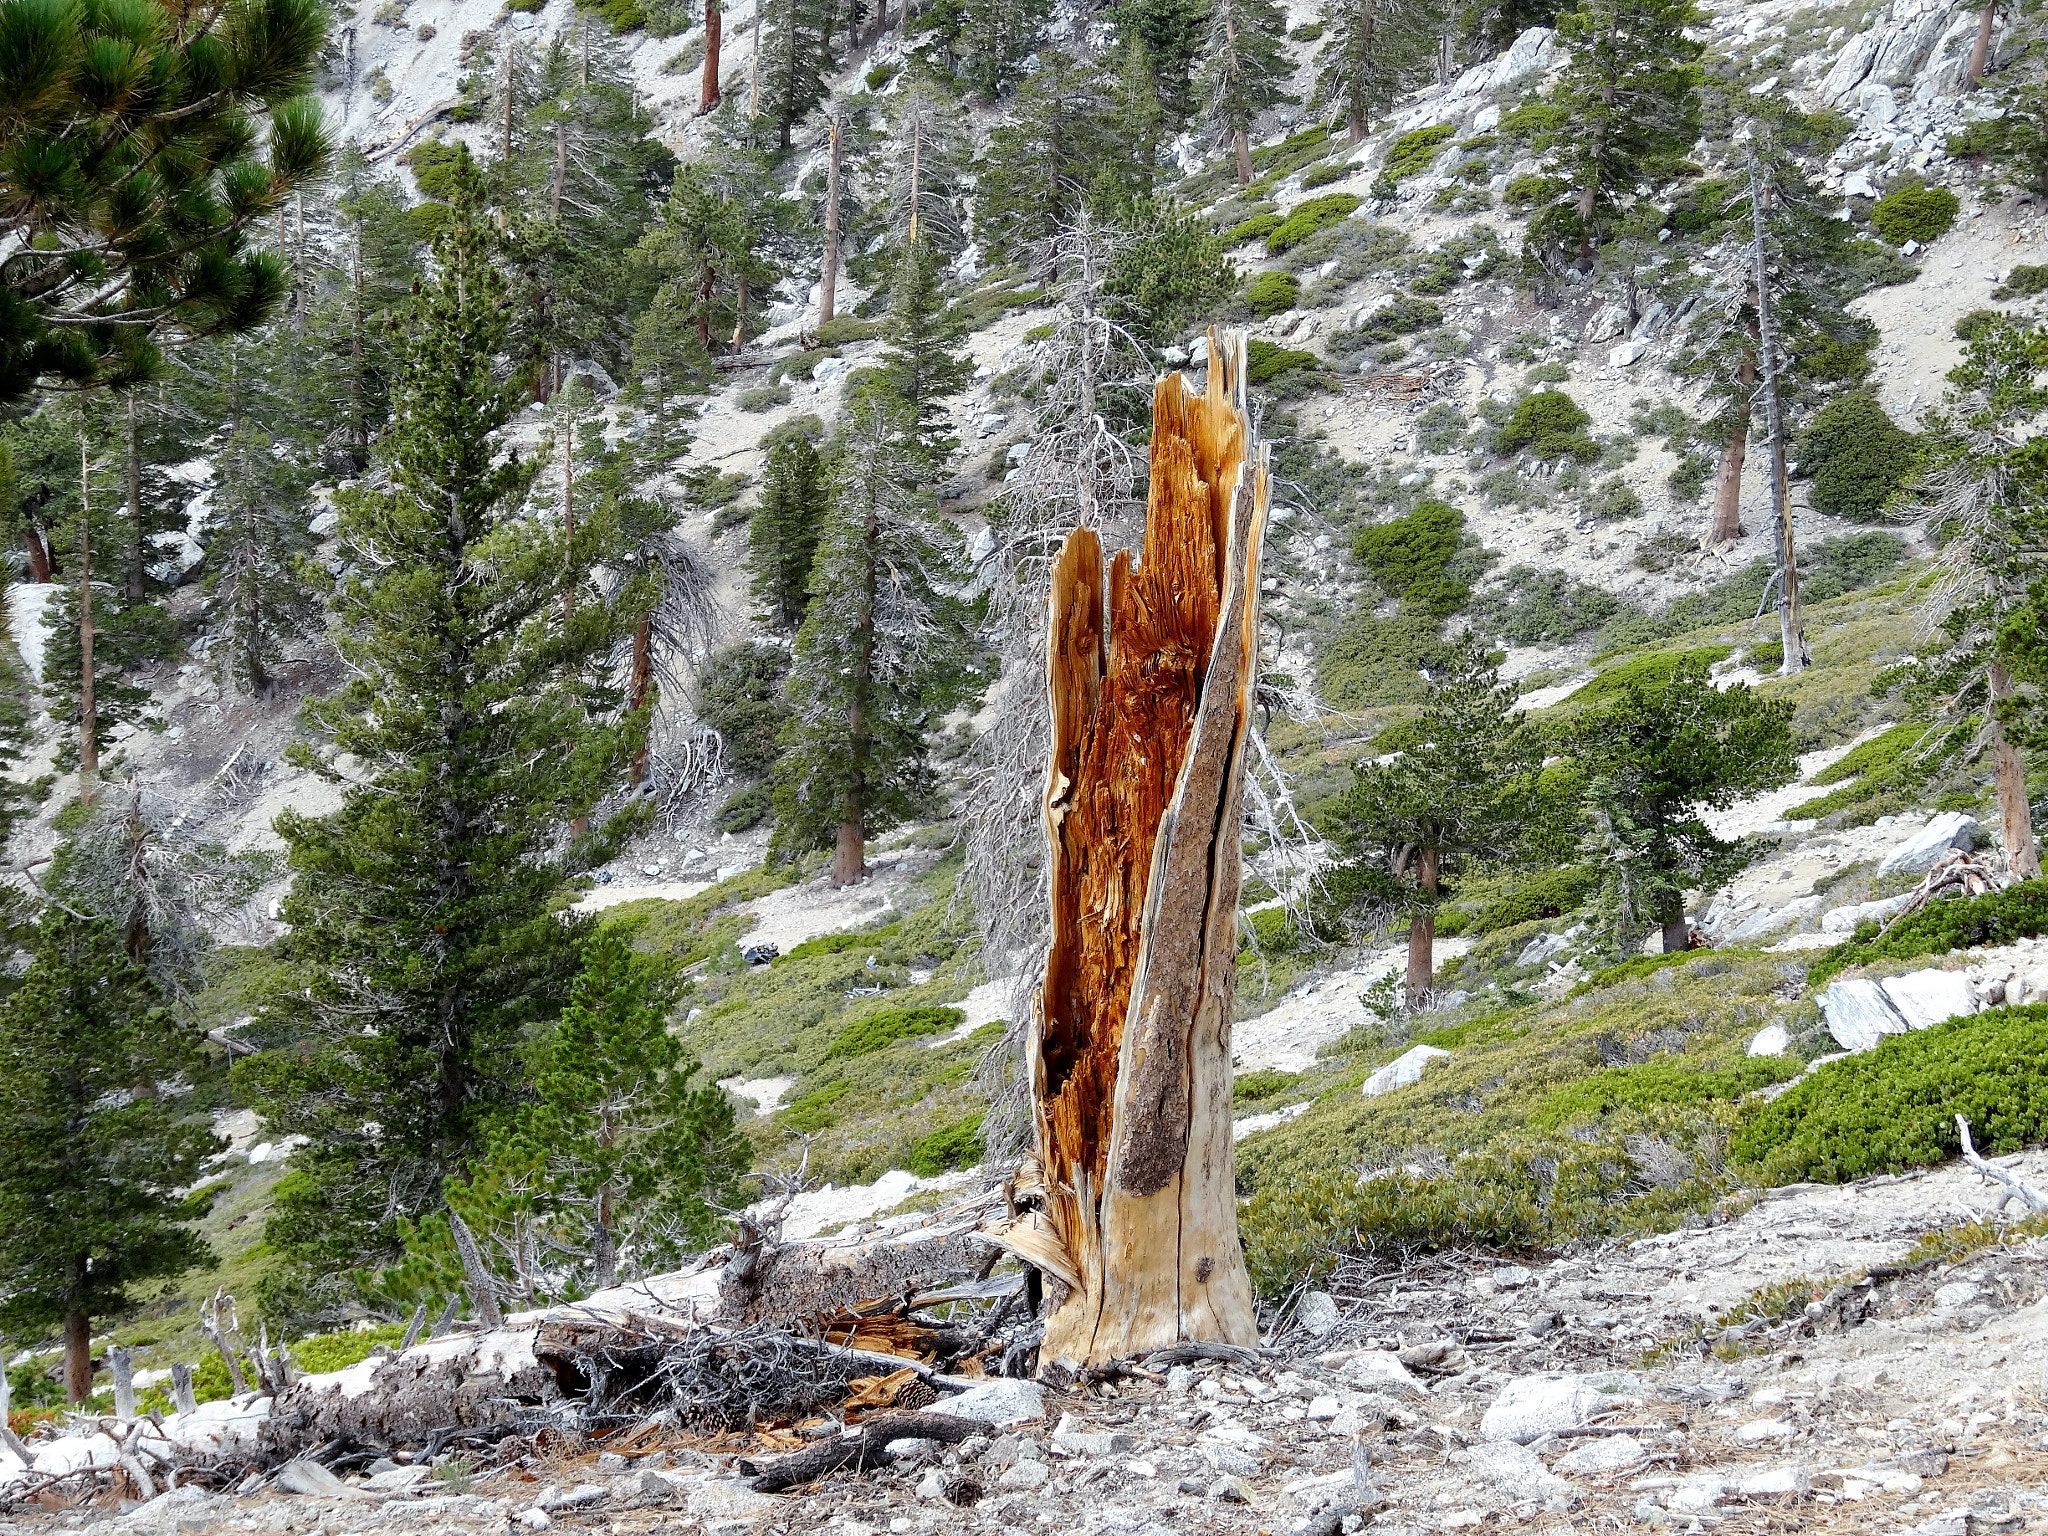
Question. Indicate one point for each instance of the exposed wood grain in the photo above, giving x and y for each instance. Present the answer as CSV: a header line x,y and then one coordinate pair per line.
x,y
1150,687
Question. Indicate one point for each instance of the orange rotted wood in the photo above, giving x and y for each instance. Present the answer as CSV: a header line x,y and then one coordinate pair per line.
x,y
1151,668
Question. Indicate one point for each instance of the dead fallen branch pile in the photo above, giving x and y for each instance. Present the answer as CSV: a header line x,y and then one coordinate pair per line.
x,y
869,1448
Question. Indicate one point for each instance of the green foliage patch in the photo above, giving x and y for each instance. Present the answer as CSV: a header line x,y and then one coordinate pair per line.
x,y
1266,361
1409,156
1895,1107
958,1145
1657,1082
1410,558
1272,292
1310,216
1858,457
2023,282
878,1031
1915,212
1651,671
2018,912
1550,894
1257,227
1551,424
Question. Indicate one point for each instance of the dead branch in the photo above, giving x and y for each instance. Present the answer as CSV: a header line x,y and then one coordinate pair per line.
x,y
1960,872
861,1451
2013,1186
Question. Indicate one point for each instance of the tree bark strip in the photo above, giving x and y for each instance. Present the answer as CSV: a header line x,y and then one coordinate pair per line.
x,y
2015,815
714,28
1151,669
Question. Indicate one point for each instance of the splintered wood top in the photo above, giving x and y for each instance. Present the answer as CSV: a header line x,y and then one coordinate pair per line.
x,y
1127,666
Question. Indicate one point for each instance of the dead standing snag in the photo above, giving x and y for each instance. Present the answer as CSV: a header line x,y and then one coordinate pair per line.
x,y
1152,666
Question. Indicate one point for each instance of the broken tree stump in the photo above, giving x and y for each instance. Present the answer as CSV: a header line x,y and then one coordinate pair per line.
x,y
1152,666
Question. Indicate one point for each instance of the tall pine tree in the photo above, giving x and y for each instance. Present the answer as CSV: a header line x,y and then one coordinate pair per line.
x,y
482,718
1372,51
1244,70
92,1190
782,540
881,654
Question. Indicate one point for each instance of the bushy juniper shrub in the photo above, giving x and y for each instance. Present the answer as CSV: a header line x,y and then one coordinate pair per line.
x,y
1895,1107
1411,556
1634,968
1371,661
1409,156
1266,361
1310,216
2018,912
2023,282
1549,423
1532,190
1857,456
1915,212
1651,671
1896,762
842,329
1552,893
958,1145
1263,1083
1704,204
1657,1082
880,1030
745,809
1272,292
1257,227
1323,175
1614,499
1441,428
1538,607
740,697
1976,322
1402,317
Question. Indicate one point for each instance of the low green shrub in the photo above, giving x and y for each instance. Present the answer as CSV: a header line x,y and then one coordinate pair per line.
x,y
1410,558
1307,32
1550,894
1551,424
1895,1107
1257,227
1441,428
958,1145
1857,456
2018,912
1873,756
1250,1087
1273,932
1613,500
1323,175
2023,282
745,809
840,943
764,397
1537,607
1977,321
1409,156
879,1031
841,329
1308,217
1704,204
1272,292
881,75
1532,190
1266,361
1372,661
1915,212
1634,968
1400,318
1657,1082
813,1112
320,1353
1533,119
1651,671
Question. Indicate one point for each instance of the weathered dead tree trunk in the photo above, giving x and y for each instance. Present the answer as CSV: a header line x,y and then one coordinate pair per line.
x,y
2015,814
1152,667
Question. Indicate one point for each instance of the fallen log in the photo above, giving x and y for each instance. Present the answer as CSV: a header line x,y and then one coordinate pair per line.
x,y
866,1449
1151,667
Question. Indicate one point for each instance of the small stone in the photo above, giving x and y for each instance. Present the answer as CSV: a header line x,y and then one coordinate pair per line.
x,y
1230,1488
1323,1409
653,1488
1180,1379
1511,1277
931,1486
910,1448
535,1519
612,1461
1188,1485
1025,1476
1318,1314
1607,1453
1957,1293
1006,1400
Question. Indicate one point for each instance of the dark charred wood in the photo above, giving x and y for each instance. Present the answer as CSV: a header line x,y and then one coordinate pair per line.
x,y
861,1451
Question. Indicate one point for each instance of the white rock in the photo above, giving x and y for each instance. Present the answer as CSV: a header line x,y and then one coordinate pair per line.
x,y
1404,1070
827,369
1928,997
1849,919
323,523
727,1498
1516,1472
1486,119
1025,1476
1229,1459
1927,847
1774,1482
534,1519
1858,1014
1771,1040
1957,1293
1604,1453
313,1480
1379,1368
1510,1277
1606,324
1627,354
1531,53
932,1486
1530,1407
1857,184
1318,1314
1876,104
1180,1379
1323,1409
1006,1400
